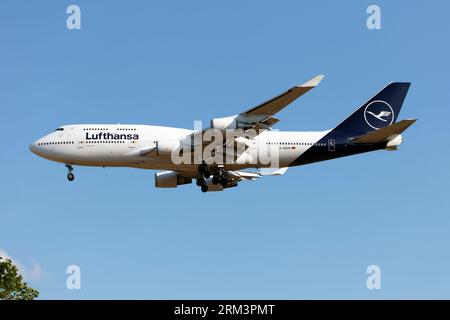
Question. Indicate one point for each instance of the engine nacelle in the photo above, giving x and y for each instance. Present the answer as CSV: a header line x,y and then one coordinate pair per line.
x,y
170,179
165,148
232,122
394,142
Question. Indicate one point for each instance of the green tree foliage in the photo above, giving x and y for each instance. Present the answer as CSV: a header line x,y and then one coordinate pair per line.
x,y
12,286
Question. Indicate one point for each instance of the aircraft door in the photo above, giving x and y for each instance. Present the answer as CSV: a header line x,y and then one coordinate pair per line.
x,y
331,145
80,143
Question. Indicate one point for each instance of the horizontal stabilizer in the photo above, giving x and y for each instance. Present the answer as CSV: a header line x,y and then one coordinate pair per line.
x,y
385,133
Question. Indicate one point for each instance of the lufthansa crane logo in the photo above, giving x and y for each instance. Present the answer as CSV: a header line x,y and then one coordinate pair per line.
x,y
379,114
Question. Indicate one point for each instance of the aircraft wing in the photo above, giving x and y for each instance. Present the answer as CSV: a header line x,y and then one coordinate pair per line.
x,y
276,104
257,118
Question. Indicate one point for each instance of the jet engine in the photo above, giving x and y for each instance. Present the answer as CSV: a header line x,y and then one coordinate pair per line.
x,y
233,122
170,179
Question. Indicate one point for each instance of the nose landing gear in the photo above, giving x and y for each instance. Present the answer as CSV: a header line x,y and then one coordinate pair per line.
x,y
70,175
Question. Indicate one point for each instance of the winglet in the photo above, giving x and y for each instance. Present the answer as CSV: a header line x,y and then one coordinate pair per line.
x,y
314,81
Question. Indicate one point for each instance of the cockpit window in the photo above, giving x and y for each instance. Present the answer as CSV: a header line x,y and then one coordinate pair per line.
x,y
59,129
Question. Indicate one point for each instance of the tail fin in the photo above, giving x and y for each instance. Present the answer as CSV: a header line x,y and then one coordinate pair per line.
x,y
380,111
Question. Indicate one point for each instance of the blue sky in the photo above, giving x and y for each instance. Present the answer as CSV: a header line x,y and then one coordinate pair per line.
x,y
308,234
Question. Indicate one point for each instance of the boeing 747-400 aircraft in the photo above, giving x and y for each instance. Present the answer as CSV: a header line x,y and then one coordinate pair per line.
x,y
226,153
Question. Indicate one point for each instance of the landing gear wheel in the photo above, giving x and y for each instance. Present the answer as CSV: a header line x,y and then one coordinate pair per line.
x,y
204,188
215,180
202,167
200,182
204,170
70,175
223,181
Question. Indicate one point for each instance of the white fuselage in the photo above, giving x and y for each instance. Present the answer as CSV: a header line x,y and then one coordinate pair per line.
x,y
122,146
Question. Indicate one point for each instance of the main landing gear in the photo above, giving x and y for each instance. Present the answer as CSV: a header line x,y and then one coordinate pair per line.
x,y
218,176
204,170
201,182
70,175
204,174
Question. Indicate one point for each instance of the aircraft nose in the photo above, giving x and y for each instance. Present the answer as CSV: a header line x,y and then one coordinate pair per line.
x,y
34,147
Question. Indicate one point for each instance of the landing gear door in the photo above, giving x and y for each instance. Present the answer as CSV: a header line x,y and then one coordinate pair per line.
x,y
331,145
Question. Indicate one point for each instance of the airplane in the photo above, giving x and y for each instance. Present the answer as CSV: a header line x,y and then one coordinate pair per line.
x,y
373,126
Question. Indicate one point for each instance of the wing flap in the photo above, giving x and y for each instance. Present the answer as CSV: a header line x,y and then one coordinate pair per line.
x,y
243,175
273,171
